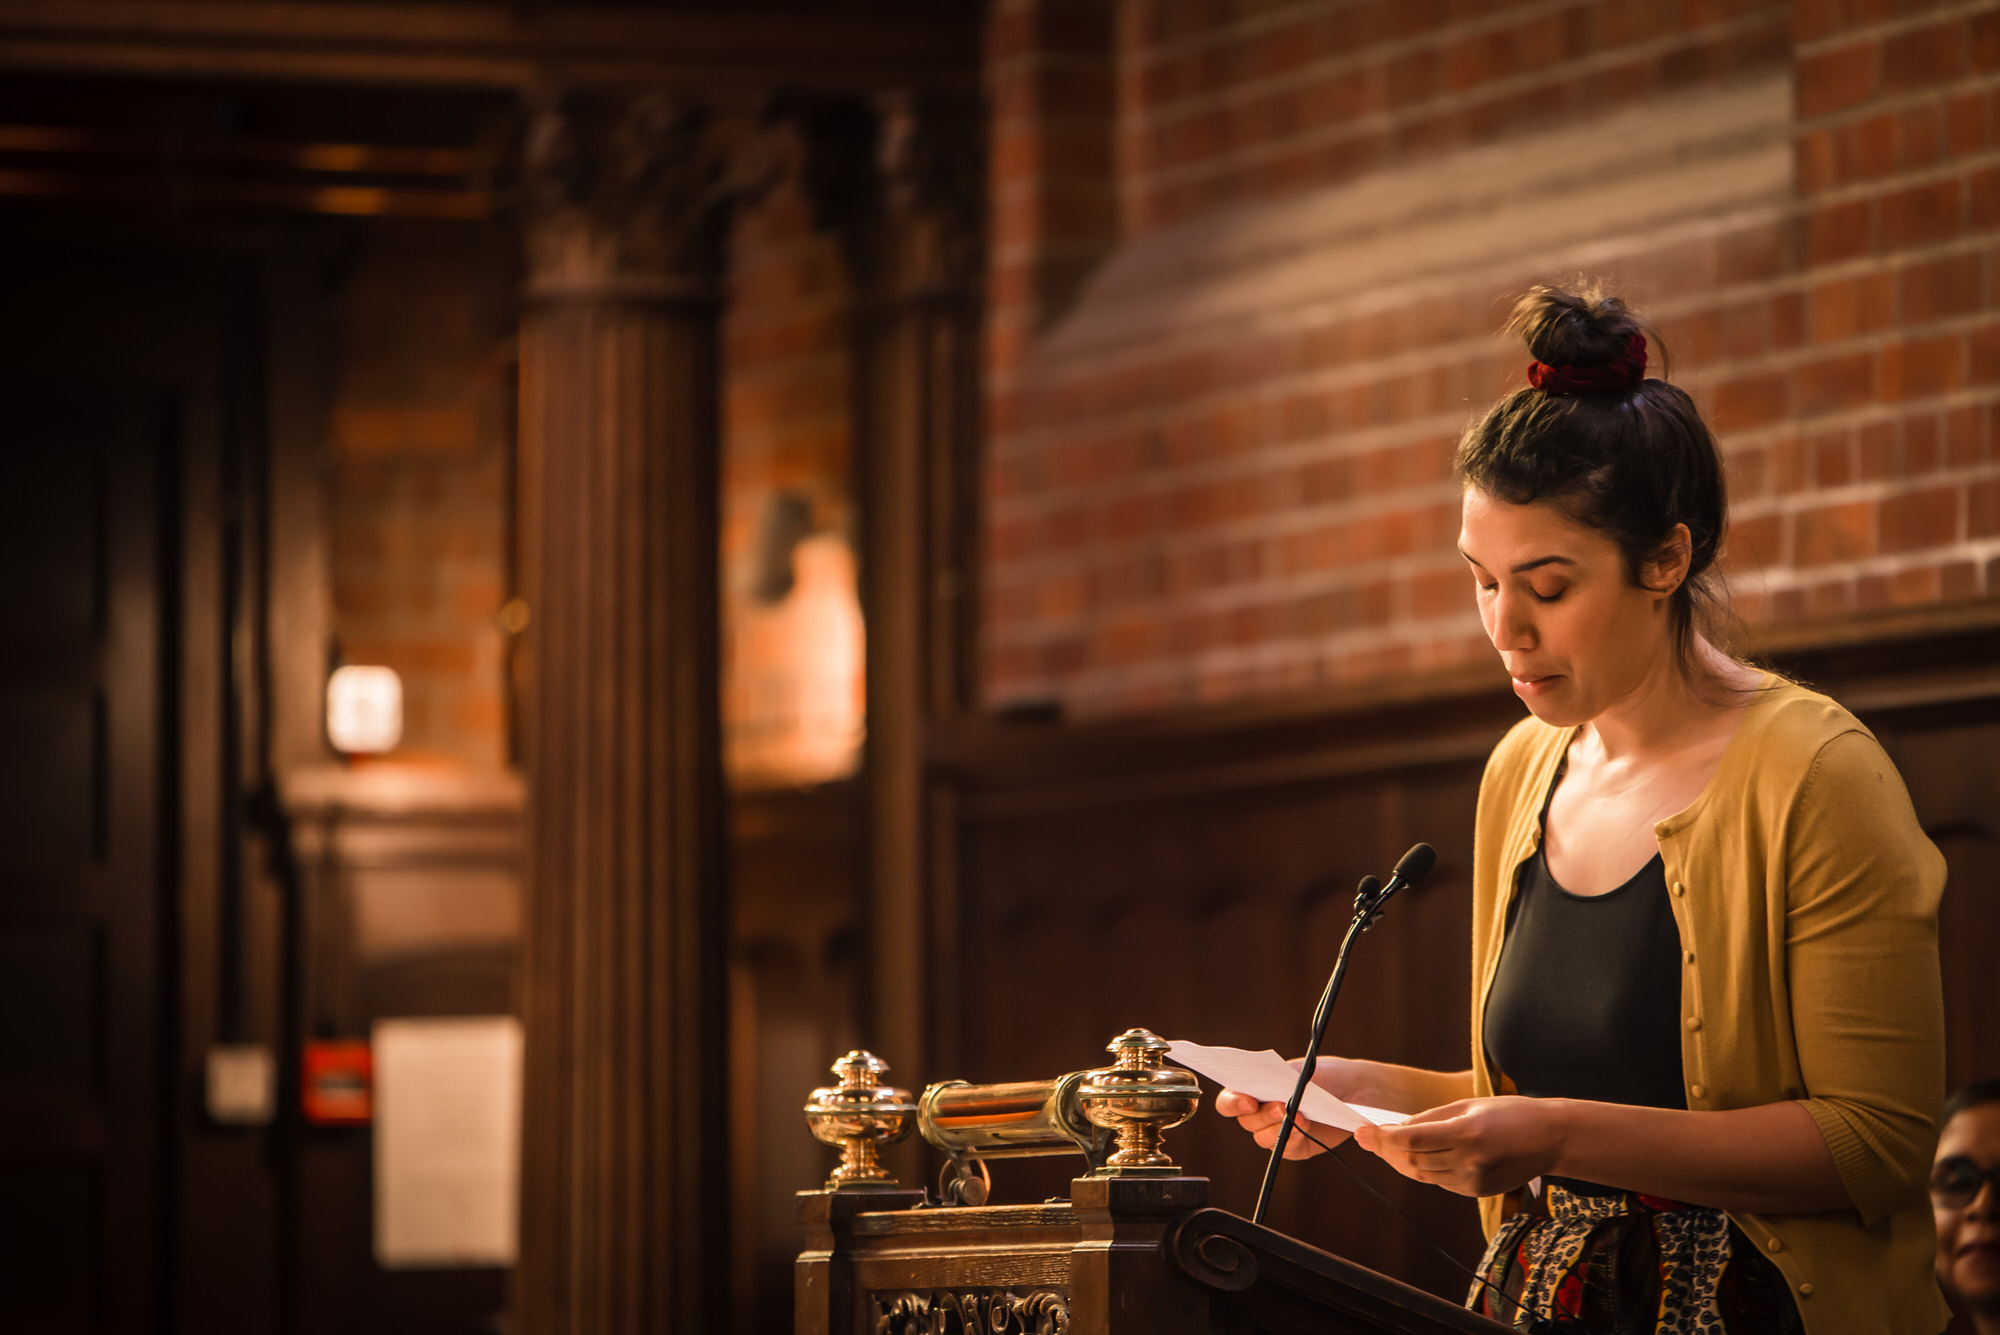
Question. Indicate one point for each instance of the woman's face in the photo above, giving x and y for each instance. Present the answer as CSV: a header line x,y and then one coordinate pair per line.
x,y
1968,1259
1576,635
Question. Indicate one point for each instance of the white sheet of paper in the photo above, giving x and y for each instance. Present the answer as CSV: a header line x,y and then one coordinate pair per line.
x,y
447,1141
1269,1078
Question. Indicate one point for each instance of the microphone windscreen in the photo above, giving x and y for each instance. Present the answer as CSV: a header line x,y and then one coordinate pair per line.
x,y
1416,864
1370,885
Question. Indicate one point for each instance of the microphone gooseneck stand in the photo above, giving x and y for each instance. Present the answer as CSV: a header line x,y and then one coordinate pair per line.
x,y
1369,897
1368,901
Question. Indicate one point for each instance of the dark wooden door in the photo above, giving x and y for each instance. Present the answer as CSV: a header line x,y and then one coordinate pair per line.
x,y
80,858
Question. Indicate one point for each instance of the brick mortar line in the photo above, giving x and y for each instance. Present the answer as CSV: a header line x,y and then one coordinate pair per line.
x,y
1977,550
1890,28
1208,603
1803,125
1382,120
1428,560
1950,169
1318,650
1851,493
1372,54
1249,464
1276,527
1439,629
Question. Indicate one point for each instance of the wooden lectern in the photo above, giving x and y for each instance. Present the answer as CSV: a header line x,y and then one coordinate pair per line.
x,y
1134,1251
1125,1256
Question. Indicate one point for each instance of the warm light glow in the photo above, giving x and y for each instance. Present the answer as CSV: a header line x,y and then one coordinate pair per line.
x,y
364,710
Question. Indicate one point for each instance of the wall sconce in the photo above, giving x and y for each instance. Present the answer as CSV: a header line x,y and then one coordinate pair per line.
x,y
364,710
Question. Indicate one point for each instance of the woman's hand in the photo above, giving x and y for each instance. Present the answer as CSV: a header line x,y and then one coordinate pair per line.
x,y
1475,1147
1261,1121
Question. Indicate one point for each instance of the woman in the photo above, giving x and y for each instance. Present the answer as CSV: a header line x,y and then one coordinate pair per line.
x,y
1707,1031
1965,1193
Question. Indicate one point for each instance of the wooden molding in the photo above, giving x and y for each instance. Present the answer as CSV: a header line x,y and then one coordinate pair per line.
x,y
485,46
1882,666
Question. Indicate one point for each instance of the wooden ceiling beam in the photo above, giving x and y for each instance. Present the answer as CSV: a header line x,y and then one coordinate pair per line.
x,y
466,46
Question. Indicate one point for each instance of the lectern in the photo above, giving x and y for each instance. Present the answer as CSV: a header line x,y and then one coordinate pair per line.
x,y
1136,1250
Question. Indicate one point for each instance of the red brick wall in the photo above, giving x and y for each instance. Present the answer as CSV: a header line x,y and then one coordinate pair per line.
x,y
1265,505
792,684
1890,491
420,432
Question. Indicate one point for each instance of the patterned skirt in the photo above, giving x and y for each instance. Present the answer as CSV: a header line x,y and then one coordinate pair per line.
x,y
1626,1264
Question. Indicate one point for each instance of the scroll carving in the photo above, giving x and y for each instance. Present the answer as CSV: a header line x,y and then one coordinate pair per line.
x,y
1214,1259
971,1312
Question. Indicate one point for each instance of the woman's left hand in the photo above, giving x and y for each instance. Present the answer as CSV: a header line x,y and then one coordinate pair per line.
x,y
1475,1147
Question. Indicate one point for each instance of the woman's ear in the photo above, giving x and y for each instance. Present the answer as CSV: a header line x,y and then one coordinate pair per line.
x,y
1668,567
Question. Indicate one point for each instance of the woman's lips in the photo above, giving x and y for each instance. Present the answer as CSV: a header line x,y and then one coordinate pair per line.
x,y
1533,686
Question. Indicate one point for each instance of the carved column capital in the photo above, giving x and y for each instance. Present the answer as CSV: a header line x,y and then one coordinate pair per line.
x,y
632,196
901,181
933,174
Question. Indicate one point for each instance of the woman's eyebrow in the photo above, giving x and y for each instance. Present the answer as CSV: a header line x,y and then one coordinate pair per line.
x,y
1539,562
1524,566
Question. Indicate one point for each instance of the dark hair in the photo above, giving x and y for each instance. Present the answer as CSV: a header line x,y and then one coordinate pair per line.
x,y
1629,463
1975,1095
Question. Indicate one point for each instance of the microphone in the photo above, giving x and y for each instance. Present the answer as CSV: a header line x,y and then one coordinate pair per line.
x,y
1369,897
1411,868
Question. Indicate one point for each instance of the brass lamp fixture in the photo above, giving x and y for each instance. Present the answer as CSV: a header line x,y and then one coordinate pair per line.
x,y
1139,1097
858,1115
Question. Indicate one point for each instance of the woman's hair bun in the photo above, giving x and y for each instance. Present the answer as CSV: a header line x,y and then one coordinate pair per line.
x,y
1581,328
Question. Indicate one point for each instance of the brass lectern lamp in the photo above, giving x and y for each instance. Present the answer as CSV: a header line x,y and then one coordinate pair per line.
x,y
1134,1251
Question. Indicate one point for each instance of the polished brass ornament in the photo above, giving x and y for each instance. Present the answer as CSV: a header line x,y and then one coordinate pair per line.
x,y
858,1115
1139,1097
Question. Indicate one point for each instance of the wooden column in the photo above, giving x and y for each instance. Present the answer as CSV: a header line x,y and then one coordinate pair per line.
x,y
909,205
624,1191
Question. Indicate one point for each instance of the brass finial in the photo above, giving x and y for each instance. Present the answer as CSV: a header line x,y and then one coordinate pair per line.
x,y
857,1115
1139,1097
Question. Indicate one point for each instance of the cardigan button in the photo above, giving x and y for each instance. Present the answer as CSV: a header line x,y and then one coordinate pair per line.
x,y
1775,1245
1698,1091
1679,889
1690,956
1805,1290
1694,1022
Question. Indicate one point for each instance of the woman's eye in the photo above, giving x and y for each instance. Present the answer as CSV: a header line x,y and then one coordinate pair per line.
x,y
1541,597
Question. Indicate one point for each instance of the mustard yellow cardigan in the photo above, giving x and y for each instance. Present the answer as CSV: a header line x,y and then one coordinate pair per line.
x,y
1806,897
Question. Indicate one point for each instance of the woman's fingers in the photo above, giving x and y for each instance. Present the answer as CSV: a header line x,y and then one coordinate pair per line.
x,y
1261,1121
1477,1148
1230,1103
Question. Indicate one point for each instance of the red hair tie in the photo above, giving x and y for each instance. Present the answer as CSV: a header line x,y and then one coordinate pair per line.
x,y
1622,372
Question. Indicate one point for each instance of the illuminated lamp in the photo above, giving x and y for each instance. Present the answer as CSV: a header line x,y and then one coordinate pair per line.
x,y
364,710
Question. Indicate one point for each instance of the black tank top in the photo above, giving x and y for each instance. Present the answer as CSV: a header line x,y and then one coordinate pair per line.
x,y
1585,1002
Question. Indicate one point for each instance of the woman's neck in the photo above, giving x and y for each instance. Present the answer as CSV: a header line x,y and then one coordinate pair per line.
x,y
1673,705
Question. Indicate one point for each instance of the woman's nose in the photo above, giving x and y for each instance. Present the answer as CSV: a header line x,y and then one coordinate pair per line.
x,y
1510,624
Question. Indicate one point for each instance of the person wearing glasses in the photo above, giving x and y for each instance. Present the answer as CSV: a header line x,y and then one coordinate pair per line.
x,y
1707,1051
1965,1195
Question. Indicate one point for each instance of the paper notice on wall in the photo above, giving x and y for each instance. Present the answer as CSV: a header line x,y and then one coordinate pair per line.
x,y
447,1142
1269,1078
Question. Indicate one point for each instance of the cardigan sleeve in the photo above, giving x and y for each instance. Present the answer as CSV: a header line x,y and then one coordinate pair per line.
x,y
1862,964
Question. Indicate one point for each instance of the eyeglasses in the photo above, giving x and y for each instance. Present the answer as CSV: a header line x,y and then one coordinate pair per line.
x,y
1957,1180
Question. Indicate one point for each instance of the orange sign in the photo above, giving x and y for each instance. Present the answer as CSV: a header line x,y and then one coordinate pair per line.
x,y
339,1083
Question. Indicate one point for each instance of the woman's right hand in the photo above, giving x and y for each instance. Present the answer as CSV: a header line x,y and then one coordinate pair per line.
x,y
1261,1121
